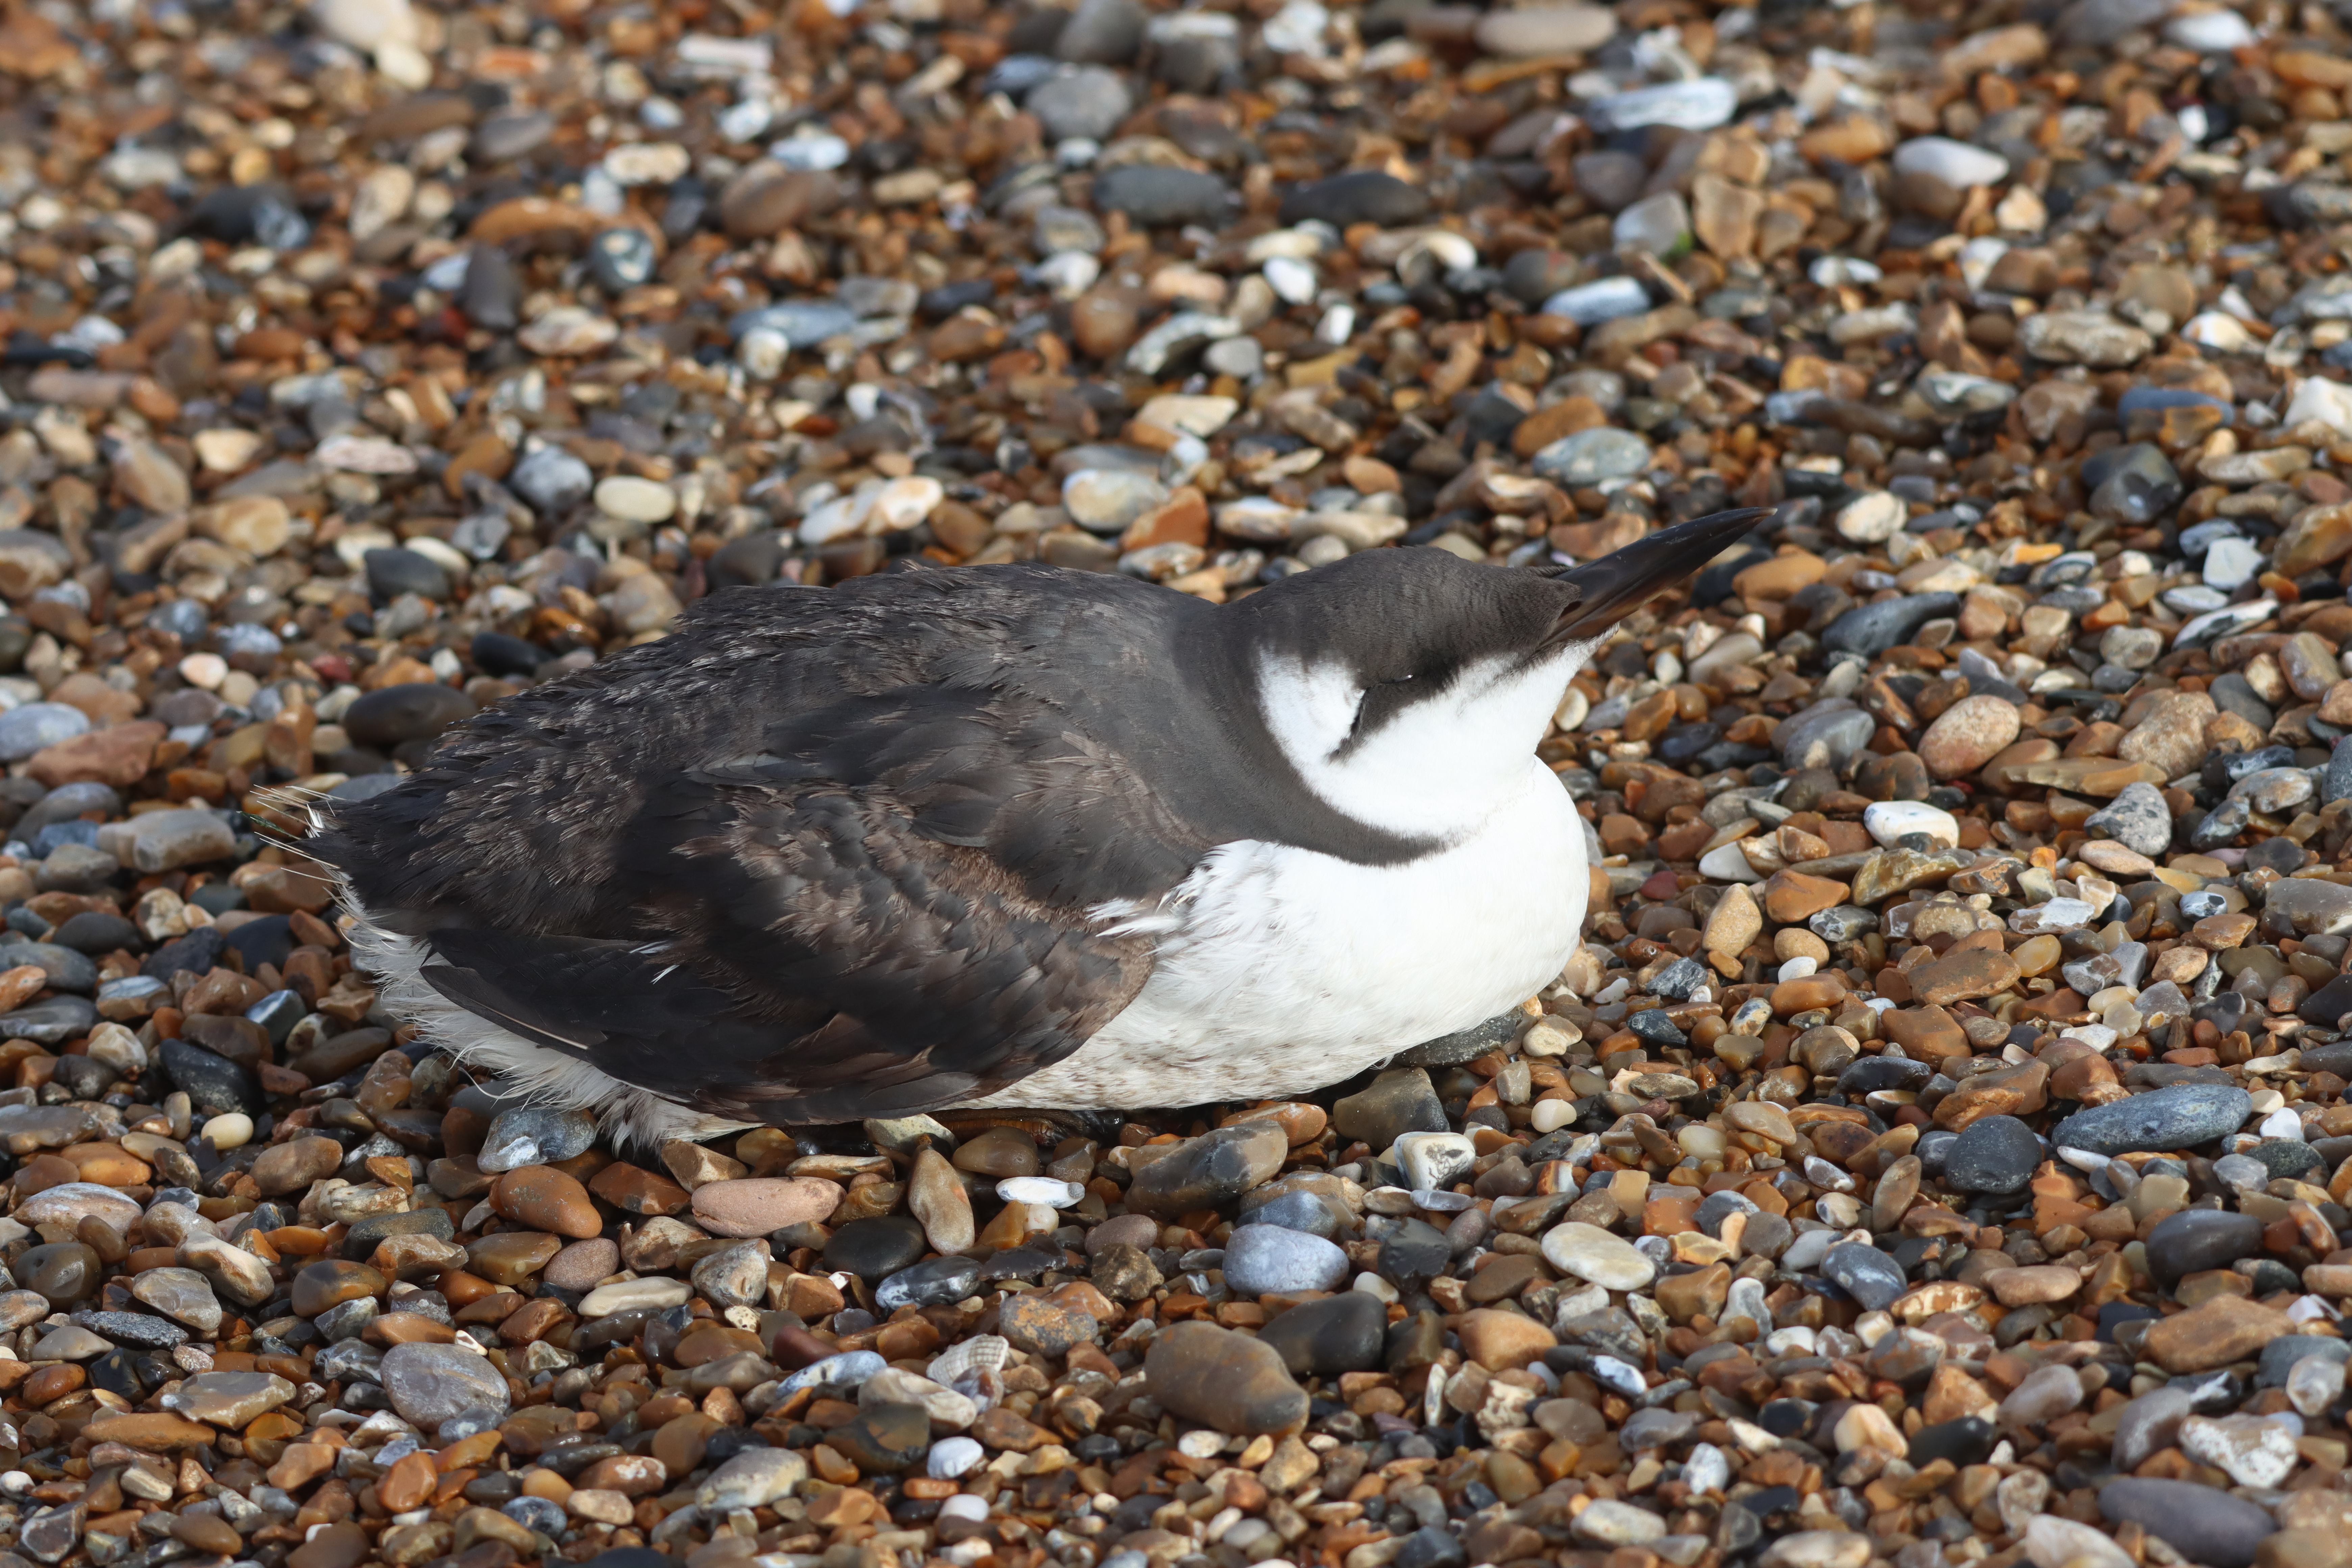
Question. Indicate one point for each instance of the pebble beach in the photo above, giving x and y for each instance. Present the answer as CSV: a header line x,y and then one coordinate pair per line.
x,y
364,363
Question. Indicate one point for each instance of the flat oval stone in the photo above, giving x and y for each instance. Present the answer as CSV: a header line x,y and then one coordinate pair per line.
x,y
1865,1273
430,1384
2181,1117
1591,1254
330,1282
2202,1523
1345,1332
1222,1379
1992,1154
2195,1240
934,1282
1271,1259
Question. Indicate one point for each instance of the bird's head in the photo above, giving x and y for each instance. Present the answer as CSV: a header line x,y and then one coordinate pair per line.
x,y
1409,687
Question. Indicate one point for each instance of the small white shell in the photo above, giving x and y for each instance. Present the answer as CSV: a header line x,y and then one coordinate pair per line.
x,y
983,1353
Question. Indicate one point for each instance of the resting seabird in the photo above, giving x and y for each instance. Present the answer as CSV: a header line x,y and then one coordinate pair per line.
x,y
1001,836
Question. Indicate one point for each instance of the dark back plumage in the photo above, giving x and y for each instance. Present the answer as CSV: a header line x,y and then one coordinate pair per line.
x,y
823,854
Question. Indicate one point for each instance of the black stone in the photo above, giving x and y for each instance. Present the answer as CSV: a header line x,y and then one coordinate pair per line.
x,y
1398,1101
491,296
1968,1441
1207,1172
2204,1525
2116,1314
213,1082
64,969
1153,193
2279,1356
1993,1154
1431,1547
135,1329
2195,1240
251,214
1461,1046
369,1231
750,561
84,1078
934,1282
2178,1117
417,711
1345,1332
1364,195
496,653
1654,1027
1871,629
199,953
1868,1075
117,1371
1415,1254
50,1023
268,939
1020,1263
1418,1340
97,930
2324,1008
398,569
872,1248
1865,1273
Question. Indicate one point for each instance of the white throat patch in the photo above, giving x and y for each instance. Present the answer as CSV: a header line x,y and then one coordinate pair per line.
x,y
1439,767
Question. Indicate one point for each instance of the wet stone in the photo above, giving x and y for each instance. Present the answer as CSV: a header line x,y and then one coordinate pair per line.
x,y
936,1282
1266,1259
430,1384
1344,1332
874,1247
1224,1380
1863,1272
1364,196
2196,1240
1993,1154
2177,1118
2204,1525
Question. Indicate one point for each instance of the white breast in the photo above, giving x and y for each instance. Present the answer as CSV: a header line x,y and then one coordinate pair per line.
x,y
1282,970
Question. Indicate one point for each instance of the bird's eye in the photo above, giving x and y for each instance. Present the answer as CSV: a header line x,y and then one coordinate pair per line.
x,y
1396,681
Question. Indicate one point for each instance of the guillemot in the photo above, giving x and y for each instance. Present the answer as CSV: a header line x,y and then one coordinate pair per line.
x,y
1001,836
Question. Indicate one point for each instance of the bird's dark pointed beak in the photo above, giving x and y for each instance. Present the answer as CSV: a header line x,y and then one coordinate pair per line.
x,y
1623,580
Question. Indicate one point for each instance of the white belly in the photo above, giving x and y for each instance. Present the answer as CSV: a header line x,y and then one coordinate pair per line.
x,y
1283,971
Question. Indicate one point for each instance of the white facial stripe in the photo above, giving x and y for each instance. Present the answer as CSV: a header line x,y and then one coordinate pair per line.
x,y
1441,765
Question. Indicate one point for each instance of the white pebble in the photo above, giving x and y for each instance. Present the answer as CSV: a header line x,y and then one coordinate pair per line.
x,y
1889,821
1039,1190
963,1505
953,1456
1551,1115
1798,968
203,669
1726,863
2283,1123
231,1129
1293,280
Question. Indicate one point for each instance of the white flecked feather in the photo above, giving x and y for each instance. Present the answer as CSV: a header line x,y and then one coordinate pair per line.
x,y
628,1115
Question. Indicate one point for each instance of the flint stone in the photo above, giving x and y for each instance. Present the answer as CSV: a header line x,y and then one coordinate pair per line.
x,y
2181,1117
2204,1525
